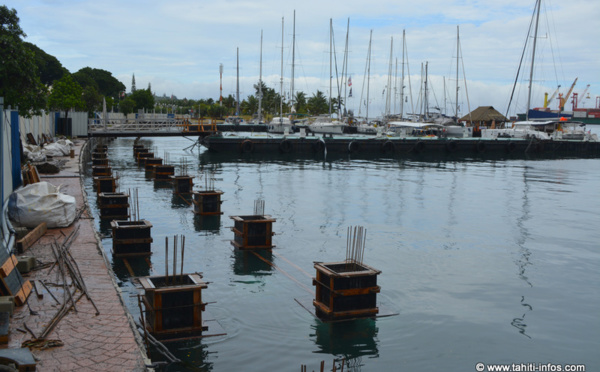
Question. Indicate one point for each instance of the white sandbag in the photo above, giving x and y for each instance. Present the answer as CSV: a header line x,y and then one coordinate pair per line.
x,y
33,153
41,202
57,149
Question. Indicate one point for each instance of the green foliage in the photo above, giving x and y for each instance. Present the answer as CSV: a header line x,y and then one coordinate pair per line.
x,y
143,98
249,106
317,104
271,100
66,94
300,103
49,67
92,99
217,111
20,84
106,84
127,105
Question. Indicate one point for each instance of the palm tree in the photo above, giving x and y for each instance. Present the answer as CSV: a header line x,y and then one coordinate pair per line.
x,y
300,100
317,104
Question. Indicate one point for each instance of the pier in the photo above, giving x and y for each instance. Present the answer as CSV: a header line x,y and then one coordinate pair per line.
x,y
397,146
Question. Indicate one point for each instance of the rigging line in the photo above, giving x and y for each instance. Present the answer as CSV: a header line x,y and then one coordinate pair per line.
x,y
521,61
283,272
293,264
551,44
462,62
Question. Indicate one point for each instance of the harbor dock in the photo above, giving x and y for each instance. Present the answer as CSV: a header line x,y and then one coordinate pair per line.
x,y
97,333
397,146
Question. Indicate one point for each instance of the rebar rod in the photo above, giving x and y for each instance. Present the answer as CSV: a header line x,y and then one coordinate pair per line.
x,y
174,259
166,260
182,255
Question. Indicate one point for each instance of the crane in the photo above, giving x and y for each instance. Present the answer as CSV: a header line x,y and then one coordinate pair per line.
x,y
566,98
582,97
547,100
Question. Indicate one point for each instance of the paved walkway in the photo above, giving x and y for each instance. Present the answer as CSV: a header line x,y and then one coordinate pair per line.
x,y
104,342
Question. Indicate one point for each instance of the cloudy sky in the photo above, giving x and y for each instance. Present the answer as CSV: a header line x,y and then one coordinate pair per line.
x,y
178,45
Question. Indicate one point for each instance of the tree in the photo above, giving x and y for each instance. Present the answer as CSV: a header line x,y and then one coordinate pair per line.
x,y
49,67
143,98
300,103
92,100
106,84
249,106
66,94
20,83
216,111
317,104
127,105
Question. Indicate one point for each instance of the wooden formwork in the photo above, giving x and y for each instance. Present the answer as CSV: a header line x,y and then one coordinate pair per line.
x,y
101,148
173,305
151,163
345,290
96,162
101,170
142,156
136,149
99,155
105,184
253,232
113,205
182,184
131,238
207,202
164,172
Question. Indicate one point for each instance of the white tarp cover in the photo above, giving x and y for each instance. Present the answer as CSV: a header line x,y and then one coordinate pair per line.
x,y
59,148
33,153
41,202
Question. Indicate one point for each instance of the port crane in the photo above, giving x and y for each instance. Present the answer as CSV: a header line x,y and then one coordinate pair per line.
x,y
547,100
564,100
582,97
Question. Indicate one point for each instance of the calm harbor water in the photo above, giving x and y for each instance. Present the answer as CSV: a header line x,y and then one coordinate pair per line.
x,y
493,261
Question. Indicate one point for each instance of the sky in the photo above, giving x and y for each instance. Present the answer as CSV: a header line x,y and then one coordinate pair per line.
x,y
177,46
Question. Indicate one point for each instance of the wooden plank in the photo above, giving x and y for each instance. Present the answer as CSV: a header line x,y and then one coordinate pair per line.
x,y
31,237
8,266
23,294
37,289
128,267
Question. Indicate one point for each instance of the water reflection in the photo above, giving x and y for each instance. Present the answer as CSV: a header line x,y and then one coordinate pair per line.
x,y
250,263
208,224
523,260
519,322
140,266
194,356
181,200
348,340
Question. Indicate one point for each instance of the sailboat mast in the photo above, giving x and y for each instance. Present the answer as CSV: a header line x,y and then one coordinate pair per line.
x,y
537,18
402,79
389,82
368,74
457,58
260,81
330,61
293,59
237,87
345,68
281,79
425,99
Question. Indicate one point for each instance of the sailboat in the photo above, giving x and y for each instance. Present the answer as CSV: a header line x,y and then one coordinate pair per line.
x,y
559,128
259,119
281,124
452,127
325,124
